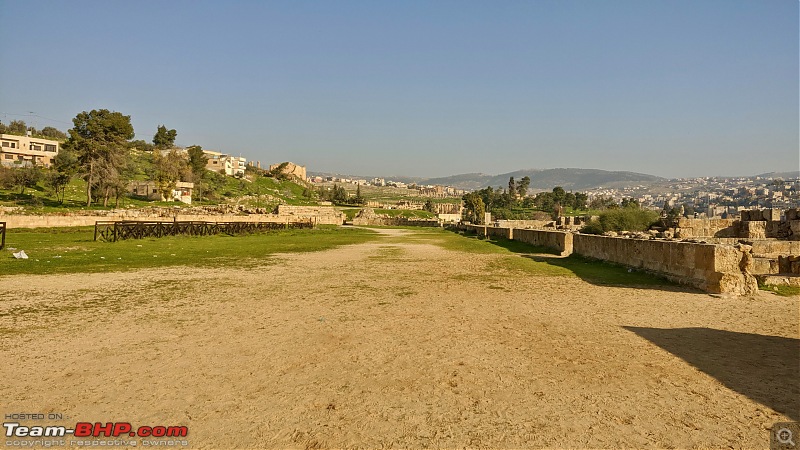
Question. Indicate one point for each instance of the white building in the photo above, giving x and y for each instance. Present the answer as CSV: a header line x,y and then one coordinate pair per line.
x,y
22,151
225,164
181,193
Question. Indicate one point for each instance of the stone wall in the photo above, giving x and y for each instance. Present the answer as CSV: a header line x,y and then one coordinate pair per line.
x,y
395,222
772,257
517,224
367,216
767,248
15,221
324,215
722,269
316,214
449,217
82,221
720,228
560,242
713,268
500,232
753,224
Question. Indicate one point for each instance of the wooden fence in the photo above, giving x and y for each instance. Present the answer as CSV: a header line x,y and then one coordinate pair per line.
x,y
112,231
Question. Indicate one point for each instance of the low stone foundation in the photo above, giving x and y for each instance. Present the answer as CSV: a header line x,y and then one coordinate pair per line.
x,y
779,280
560,242
367,216
753,224
395,222
319,215
531,224
715,268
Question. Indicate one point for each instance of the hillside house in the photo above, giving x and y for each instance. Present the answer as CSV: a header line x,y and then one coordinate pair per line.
x,y
148,189
225,164
26,151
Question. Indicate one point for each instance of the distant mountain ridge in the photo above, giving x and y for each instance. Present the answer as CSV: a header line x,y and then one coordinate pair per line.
x,y
784,175
568,178
545,179
541,179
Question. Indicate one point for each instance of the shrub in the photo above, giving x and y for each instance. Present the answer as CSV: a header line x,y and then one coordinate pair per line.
x,y
625,219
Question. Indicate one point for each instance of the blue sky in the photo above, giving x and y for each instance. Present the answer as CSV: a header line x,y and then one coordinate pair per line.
x,y
425,88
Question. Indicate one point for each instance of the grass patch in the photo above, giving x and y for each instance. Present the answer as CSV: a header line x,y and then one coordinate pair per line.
x,y
386,252
351,213
593,271
529,266
471,243
72,250
783,291
409,213
534,260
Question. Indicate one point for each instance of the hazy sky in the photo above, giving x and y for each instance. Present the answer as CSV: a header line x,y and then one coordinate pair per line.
x,y
425,88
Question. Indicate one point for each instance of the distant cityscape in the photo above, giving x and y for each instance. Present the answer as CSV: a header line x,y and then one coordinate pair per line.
x,y
712,197
706,197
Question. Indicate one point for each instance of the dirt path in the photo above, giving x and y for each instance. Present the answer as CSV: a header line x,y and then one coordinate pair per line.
x,y
399,344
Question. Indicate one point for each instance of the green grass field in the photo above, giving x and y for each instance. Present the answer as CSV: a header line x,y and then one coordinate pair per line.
x,y
412,214
783,291
533,260
72,250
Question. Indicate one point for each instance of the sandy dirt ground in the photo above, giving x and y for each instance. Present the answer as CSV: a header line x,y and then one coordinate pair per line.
x,y
401,344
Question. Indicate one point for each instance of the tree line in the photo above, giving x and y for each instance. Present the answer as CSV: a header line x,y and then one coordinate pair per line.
x,y
20,128
514,203
99,149
339,196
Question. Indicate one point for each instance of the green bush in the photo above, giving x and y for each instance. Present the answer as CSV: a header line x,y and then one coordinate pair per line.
x,y
624,219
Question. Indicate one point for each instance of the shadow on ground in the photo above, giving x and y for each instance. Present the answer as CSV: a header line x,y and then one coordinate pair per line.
x,y
590,270
765,369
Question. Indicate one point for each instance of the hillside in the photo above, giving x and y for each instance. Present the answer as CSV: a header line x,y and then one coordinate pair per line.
x,y
253,192
784,175
541,179
570,179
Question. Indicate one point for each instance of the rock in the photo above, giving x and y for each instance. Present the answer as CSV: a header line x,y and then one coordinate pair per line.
x,y
366,213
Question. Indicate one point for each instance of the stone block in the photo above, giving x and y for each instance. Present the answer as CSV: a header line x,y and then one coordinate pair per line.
x,y
794,225
765,266
727,259
732,283
784,265
704,258
772,215
792,214
781,280
754,229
